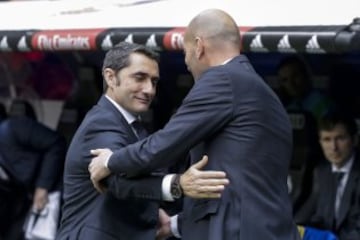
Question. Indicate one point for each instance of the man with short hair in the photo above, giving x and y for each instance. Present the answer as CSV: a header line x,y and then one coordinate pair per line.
x,y
336,181
129,209
232,115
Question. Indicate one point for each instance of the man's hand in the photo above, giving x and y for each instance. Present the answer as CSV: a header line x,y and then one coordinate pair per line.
x,y
97,168
40,199
203,184
163,230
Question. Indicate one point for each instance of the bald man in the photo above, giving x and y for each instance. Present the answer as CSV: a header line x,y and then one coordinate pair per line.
x,y
231,115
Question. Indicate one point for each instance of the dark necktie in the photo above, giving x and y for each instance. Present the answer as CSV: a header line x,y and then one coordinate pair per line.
x,y
139,129
338,177
142,133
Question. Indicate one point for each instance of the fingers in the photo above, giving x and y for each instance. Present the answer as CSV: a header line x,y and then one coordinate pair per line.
x,y
207,189
97,151
210,188
97,168
95,180
211,174
92,164
207,174
200,164
203,184
212,182
207,195
206,192
98,186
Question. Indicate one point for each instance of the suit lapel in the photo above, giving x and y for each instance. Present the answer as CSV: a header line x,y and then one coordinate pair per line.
x,y
329,204
351,184
105,103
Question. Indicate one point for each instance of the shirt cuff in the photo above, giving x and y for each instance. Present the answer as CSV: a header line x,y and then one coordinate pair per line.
x,y
166,188
174,226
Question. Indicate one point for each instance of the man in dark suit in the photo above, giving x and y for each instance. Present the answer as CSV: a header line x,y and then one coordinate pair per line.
x,y
234,117
129,209
337,180
32,157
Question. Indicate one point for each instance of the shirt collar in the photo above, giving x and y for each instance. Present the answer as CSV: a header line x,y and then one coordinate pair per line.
x,y
226,61
130,118
346,168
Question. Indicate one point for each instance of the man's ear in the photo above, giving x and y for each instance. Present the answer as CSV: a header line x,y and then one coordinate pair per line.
x,y
109,76
199,49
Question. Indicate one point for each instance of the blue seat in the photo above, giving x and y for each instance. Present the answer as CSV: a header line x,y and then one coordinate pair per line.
x,y
310,233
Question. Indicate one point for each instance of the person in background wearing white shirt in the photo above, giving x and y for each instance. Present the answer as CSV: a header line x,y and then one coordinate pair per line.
x,y
336,181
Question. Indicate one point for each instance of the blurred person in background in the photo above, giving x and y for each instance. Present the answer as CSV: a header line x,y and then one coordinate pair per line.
x,y
33,157
335,201
296,88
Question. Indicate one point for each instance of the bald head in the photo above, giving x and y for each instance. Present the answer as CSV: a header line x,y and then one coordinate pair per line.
x,y
217,26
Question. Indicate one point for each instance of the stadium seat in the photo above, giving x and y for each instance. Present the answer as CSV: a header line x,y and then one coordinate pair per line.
x,y
310,233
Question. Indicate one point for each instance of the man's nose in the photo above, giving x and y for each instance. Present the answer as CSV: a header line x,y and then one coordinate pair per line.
x,y
149,87
333,144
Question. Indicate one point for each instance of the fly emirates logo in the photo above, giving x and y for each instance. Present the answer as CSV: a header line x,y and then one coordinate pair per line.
x,y
63,42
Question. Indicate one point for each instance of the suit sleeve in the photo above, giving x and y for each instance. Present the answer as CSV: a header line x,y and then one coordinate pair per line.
x,y
142,187
48,143
145,186
205,110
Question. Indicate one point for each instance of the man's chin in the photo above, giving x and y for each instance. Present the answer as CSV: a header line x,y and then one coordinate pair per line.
x,y
337,161
142,109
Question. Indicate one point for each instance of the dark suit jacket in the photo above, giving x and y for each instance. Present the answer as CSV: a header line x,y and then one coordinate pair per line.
x,y
129,210
32,153
347,225
246,133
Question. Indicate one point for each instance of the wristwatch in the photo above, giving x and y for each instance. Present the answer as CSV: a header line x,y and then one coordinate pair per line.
x,y
175,188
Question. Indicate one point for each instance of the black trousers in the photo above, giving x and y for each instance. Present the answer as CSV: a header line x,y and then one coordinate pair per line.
x,y
14,204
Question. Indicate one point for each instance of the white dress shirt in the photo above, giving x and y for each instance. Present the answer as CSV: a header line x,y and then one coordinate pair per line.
x,y
341,187
130,118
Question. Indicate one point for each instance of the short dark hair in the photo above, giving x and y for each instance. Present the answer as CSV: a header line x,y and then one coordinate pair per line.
x,y
298,62
333,118
117,58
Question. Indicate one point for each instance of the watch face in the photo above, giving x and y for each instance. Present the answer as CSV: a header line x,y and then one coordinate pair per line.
x,y
175,189
176,192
